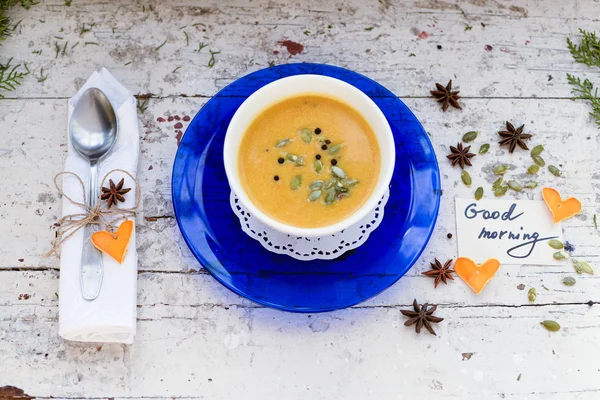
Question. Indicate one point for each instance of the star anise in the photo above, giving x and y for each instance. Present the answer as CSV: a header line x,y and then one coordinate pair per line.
x,y
440,273
422,317
114,193
460,155
513,137
446,96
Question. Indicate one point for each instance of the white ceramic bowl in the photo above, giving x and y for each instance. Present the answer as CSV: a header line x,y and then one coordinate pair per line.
x,y
293,86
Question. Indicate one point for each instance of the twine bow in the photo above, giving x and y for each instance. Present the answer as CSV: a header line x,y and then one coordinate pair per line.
x,y
69,224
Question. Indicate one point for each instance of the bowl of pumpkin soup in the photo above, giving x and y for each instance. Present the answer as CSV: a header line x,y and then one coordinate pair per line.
x,y
309,155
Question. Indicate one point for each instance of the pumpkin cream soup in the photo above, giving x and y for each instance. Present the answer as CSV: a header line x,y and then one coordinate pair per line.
x,y
309,161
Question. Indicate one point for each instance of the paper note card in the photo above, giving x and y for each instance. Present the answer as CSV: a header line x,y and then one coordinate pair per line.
x,y
513,231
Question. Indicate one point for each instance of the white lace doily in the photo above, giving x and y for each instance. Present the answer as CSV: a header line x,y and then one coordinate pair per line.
x,y
306,249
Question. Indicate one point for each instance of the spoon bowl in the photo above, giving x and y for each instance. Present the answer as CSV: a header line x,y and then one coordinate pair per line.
x,y
93,127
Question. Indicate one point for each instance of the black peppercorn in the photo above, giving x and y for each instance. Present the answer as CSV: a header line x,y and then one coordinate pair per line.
x,y
317,131
439,46
318,156
280,160
449,236
324,147
333,162
328,141
276,177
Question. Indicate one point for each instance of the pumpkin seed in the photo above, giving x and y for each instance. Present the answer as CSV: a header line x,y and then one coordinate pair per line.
x,y
291,157
582,266
484,148
586,267
537,150
337,171
282,143
554,170
335,149
552,326
316,185
501,191
299,161
501,169
330,196
568,281
497,183
559,255
514,185
531,185
314,195
306,135
532,294
296,182
330,183
339,187
533,169
556,244
469,136
539,161
479,193
349,183
318,166
466,178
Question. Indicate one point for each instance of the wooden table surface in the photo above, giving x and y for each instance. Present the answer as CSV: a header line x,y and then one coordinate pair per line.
x,y
198,340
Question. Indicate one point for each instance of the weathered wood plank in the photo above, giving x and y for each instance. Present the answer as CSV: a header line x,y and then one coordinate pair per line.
x,y
201,351
34,147
528,56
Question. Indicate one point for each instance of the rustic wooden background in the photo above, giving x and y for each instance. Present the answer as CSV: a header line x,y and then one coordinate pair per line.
x,y
198,340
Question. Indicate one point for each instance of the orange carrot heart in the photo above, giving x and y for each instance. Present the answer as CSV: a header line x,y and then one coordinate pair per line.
x,y
560,209
476,276
116,247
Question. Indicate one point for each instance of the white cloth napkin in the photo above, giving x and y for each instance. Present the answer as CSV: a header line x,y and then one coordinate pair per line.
x,y
111,317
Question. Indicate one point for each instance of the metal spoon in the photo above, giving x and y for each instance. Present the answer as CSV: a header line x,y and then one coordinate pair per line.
x,y
93,132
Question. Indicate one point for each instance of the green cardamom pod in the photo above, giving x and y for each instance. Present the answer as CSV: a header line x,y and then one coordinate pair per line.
x,y
533,169
552,326
537,150
479,193
554,170
559,255
556,244
466,178
539,161
469,136
532,294
484,148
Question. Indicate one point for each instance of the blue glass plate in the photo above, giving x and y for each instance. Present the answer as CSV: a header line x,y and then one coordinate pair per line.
x,y
213,232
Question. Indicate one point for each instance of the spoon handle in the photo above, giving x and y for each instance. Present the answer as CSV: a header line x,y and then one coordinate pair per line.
x,y
92,269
